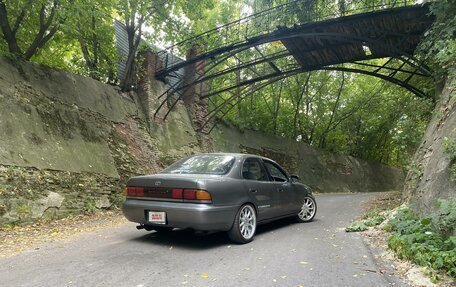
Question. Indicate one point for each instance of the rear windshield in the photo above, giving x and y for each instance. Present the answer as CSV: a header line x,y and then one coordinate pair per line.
x,y
202,164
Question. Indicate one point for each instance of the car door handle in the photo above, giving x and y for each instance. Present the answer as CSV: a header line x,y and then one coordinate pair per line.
x,y
253,190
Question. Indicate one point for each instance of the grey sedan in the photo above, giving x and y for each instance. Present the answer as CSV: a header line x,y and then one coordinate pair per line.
x,y
218,192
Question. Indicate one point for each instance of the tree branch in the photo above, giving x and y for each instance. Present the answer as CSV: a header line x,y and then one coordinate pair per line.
x,y
41,39
21,16
8,34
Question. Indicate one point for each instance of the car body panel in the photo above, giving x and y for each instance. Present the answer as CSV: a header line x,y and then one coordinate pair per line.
x,y
182,215
264,198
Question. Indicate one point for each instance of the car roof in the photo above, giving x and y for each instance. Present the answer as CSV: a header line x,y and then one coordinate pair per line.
x,y
237,155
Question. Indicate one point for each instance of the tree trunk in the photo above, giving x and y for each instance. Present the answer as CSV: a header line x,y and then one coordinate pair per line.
x,y
8,34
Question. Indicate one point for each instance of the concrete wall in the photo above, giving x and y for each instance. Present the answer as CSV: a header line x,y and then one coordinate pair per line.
x,y
324,171
68,144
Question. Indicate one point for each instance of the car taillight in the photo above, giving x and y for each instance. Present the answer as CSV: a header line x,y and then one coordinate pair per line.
x,y
197,194
203,195
180,194
135,191
177,193
190,194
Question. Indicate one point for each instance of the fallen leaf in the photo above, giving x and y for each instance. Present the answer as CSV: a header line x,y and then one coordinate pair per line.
x,y
283,276
304,262
204,275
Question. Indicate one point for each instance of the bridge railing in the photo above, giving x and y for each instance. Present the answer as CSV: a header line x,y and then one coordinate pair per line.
x,y
265,22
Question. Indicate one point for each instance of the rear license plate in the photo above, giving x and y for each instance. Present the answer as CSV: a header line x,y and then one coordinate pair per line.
x,y
156,217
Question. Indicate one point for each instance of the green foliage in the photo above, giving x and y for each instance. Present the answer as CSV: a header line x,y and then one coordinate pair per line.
x,y
426,241
30,25
22,209
450,150
370,219
415,170
439,44
117,200
89,206
445,220
356,226
80,35
367,118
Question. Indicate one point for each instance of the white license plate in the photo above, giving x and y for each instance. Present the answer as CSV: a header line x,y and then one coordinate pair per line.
x,y
156,217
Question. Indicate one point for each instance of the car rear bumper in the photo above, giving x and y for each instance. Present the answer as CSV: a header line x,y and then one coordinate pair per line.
x,y
182,215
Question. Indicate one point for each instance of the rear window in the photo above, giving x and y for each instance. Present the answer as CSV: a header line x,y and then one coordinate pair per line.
x,y
202,164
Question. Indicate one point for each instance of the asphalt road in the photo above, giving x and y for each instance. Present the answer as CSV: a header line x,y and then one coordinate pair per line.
x,y
283,253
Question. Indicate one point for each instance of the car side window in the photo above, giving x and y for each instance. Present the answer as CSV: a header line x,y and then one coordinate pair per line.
x,y
253,169
276,172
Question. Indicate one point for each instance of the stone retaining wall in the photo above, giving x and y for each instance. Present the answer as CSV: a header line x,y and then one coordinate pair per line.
x,y
68,144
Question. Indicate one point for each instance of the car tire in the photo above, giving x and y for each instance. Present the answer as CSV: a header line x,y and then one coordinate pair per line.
x,y
244,225
308,209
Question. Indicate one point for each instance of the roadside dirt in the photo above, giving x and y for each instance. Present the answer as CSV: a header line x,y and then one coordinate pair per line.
x,y
16,239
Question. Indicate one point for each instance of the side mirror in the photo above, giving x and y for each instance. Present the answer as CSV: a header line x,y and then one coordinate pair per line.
x,y
294,178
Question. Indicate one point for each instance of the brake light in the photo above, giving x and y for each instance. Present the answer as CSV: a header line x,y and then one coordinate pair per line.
x,y
177,193
135,191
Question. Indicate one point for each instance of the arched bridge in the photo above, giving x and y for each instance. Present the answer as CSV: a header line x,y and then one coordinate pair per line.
x,y
244,56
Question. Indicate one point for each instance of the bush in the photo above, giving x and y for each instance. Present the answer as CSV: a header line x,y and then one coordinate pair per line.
x,y
427,241
370,219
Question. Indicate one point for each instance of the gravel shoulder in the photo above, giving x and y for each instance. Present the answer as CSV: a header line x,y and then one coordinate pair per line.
x,y
17,239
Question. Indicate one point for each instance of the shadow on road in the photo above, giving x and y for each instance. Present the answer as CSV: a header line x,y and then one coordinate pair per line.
x,y
189,239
